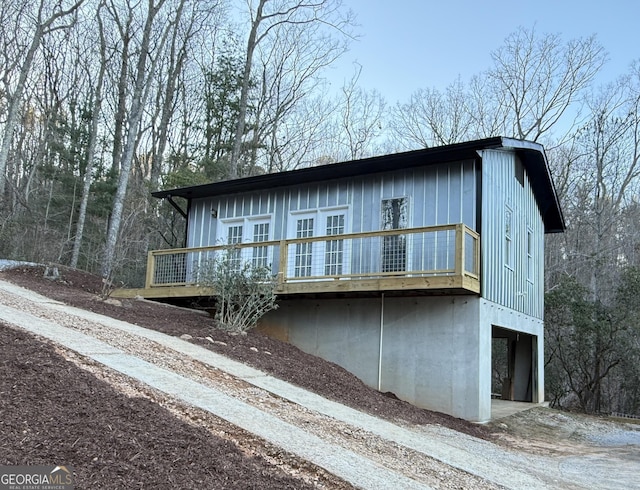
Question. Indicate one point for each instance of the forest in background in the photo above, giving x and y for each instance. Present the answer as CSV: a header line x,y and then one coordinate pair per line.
x,y
104,101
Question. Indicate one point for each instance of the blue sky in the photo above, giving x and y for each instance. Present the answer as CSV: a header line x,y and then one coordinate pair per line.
x,y
409,44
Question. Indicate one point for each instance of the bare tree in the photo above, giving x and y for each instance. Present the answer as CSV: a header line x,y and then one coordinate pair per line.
x,y
144,67
361,119
267,17
536,83
601,181
289,65
540,77
189,19
433,118
93,138
307,136
49,17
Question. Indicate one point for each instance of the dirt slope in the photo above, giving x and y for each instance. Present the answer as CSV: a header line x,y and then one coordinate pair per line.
x,y
56,406
284,361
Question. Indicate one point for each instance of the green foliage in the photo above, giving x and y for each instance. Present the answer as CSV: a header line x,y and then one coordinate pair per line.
x,y
222,86
588,343
628,297
244,292
183,177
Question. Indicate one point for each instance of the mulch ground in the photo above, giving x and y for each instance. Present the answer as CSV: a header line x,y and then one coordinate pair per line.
x,y
53,412
37,414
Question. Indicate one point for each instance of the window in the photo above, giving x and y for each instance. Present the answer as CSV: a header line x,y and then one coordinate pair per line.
x,y
508,238
304,251
334,249
260,255
234,236
395,216
529,255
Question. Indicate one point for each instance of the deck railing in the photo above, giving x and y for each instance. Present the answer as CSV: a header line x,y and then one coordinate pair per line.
x,y
448,251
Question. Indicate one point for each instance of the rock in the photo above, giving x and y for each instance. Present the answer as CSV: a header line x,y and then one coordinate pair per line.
x,y
215,341
52,273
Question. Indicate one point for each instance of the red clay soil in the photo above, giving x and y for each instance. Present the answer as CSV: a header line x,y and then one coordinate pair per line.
x,y
37,416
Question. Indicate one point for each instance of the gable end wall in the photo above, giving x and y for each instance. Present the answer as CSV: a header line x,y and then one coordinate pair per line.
x,y
516,283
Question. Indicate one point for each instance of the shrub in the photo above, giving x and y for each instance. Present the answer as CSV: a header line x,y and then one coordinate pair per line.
x,y
243,292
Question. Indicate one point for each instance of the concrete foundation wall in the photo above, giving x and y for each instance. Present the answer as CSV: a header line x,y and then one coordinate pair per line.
x,y
342,331
430,354
433,353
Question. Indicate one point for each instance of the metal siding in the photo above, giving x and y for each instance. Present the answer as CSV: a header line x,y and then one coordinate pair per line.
x,y
201,215
343,193
193,225
208,221
469,186
429,190
244,208
386,187
279,206
358,209
374,198
332,195
500,188
441,195
431,194
442,192
418,194
455,195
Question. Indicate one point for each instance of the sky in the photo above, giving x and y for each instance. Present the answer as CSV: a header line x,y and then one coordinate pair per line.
x,y
405,45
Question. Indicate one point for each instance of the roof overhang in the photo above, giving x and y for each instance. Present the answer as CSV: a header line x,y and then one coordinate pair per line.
x,y
535,162
531,154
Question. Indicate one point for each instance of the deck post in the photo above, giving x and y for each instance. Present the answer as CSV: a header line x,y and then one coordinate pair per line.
x,y
459,254
282,267
151,265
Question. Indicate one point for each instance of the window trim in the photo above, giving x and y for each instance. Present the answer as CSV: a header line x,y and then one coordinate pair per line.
x,y
225,223
530,256
508,237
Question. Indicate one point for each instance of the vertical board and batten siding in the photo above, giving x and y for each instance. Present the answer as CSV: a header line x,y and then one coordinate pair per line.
x,y
438,195
510,286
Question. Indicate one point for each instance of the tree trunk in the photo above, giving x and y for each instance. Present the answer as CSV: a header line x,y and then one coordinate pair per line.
x,y
93,138
133,123
234,170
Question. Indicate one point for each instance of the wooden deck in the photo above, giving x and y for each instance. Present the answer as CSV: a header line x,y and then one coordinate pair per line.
x,y
428,260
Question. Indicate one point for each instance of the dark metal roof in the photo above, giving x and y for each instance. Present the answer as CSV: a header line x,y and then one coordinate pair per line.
x,y
531,154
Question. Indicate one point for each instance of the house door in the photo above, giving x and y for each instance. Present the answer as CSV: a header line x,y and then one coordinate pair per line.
x,y
247,230
324,258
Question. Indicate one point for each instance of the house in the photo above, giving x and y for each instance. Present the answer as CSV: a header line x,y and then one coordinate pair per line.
x,y
404,269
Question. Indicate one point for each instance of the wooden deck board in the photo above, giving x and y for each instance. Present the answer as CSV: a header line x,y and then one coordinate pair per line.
x,y
436,284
